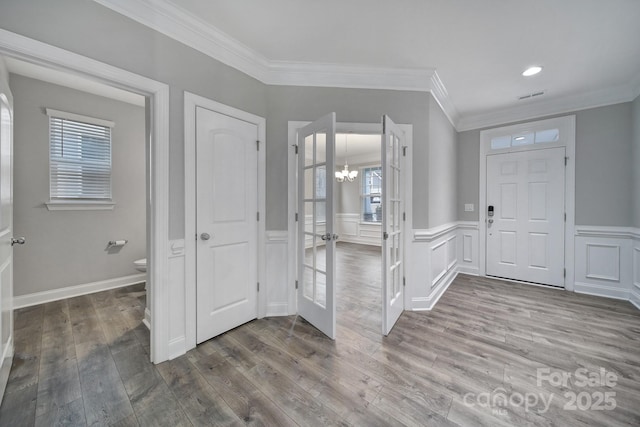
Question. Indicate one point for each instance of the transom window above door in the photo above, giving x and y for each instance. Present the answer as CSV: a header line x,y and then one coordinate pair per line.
x,y
525,138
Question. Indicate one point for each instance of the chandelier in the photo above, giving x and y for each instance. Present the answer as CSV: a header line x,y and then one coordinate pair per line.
x,y
345,174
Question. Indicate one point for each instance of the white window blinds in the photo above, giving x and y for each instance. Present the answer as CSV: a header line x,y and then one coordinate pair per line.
x,y
79,157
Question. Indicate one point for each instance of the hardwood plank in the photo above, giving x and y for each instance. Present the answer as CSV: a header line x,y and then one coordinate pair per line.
x,y
69,414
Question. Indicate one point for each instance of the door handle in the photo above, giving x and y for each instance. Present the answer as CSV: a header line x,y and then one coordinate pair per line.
x,y
326,236
18,240
334,237
205,236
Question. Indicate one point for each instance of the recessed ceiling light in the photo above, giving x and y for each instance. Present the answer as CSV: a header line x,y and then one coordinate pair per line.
x,y
532,71
519,138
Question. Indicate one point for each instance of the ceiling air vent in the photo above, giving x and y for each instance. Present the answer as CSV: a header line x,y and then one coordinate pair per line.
x,y
531,95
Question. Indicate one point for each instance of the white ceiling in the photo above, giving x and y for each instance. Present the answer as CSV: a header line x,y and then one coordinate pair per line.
x,y
479,48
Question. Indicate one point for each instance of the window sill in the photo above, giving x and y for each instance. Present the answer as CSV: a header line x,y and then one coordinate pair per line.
x,y
70,205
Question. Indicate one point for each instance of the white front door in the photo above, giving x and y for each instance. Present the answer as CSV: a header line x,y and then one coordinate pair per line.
x,y
316,238
525,215
6,234
226,223
392,235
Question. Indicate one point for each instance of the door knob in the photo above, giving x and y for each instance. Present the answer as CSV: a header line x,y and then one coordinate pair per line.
x,y
205,236
18,240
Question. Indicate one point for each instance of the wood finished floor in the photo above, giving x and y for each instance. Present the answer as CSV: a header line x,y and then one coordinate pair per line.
x,y
84,361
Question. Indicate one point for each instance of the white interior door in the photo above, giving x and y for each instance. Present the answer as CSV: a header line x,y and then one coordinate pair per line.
x,y
6,234
392,226
316,238
226,223
525,233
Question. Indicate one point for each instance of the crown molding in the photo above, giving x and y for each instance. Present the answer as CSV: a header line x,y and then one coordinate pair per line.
x,y
565,104
169,19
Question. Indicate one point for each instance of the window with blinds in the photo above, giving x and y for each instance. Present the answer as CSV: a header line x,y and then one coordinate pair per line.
x,y
79,157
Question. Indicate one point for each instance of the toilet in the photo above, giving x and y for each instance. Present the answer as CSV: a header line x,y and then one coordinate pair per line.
x,y
141,264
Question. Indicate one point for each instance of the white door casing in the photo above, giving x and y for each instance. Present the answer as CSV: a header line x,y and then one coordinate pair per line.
x,y
6,233
566,126
393,147
227,222
316,238
525,233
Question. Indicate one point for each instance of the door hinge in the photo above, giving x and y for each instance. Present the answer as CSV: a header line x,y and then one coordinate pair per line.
x,y
565,217
196,237
296,147
257,216
564,274
404,216
258,145
385,235
566,159
404,150
296,216
296,284
258,287
404,281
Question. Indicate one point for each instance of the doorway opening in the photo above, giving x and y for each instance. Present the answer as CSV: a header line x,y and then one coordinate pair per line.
x,y
157,200
527,204
339,235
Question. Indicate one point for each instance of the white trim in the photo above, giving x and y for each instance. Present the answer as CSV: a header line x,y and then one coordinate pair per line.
x,y
292,185
531,110
191,101
173,21
71,205
33,51
602,291
147,318
608,231
279,236
76,290
79,118
430,234
5,365
567,126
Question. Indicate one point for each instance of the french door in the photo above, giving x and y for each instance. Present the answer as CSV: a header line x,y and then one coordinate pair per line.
x,y
316,238
393,144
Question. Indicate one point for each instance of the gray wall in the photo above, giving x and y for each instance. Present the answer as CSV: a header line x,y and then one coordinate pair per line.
x,y
66,248
636,162
442,178
287,103
90,29
604,167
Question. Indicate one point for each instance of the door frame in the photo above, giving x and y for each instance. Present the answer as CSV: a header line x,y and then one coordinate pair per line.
x,y
191,101
292,199
567,126
30,50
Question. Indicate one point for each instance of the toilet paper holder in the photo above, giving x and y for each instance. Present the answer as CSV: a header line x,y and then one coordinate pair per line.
x,y
116,243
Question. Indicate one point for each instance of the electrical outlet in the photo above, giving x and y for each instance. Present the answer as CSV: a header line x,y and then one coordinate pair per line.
x,y
468,207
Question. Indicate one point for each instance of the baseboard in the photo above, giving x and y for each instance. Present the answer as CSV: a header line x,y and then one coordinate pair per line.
x,y
147,318
277,309
470,270
634,298
177,347
75,291
601,291
427,303
5,366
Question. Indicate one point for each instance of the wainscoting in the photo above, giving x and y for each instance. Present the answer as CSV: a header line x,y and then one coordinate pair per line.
x,y
352,230
436,256
178,343
277,261
607,260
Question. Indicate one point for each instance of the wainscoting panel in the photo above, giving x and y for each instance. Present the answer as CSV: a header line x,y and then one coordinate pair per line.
x,y
277,250
634,297
468,248
603,261
177,293
434,261
352,230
